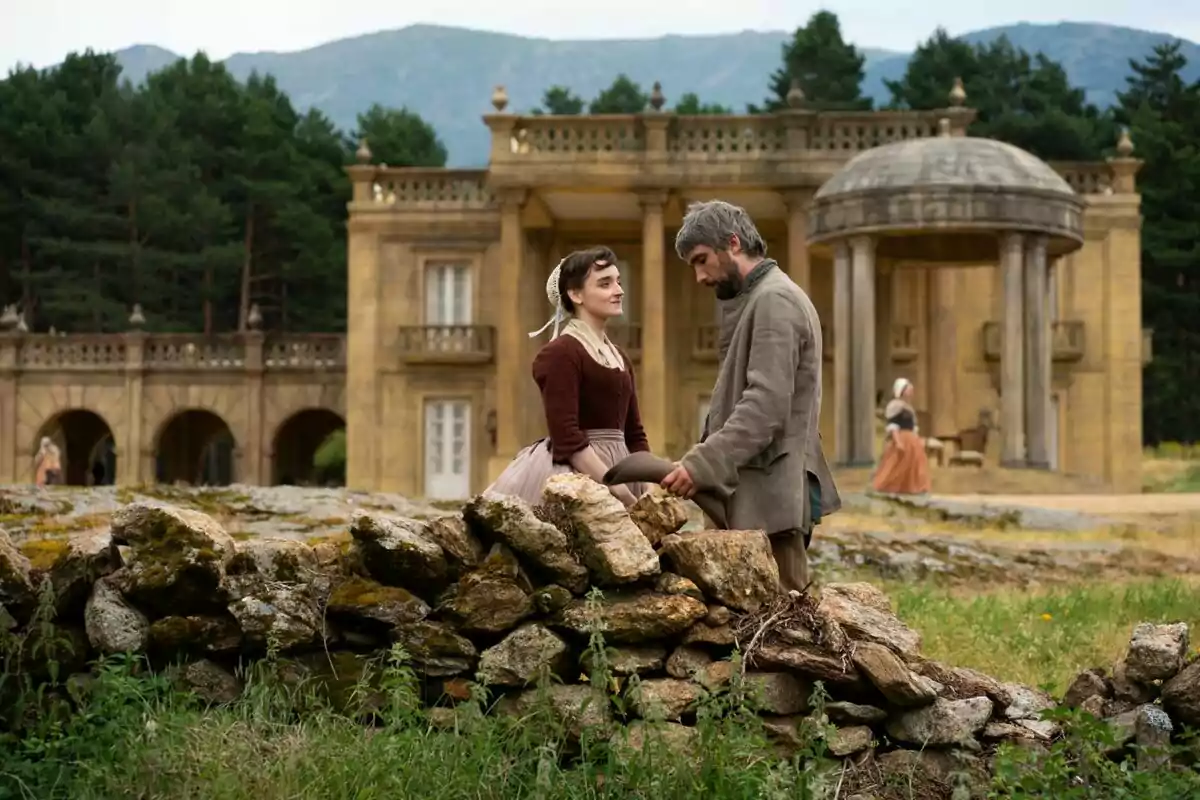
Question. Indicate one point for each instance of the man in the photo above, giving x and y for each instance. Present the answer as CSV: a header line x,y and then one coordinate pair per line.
x,y
760,450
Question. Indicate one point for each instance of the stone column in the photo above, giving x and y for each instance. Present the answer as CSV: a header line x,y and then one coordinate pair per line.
x,y
862,351
254,469
652,391
842,336
884,294
130,453
798,266
509,332
1037,354
10,450
1012,352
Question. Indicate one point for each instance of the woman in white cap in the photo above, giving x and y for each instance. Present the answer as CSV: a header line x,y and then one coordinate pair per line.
x,y
903,467
586,383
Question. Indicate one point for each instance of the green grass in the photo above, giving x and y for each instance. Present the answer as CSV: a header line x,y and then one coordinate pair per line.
x,y
1041,638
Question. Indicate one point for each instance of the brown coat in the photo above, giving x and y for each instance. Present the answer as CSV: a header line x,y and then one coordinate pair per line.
x,y
761,439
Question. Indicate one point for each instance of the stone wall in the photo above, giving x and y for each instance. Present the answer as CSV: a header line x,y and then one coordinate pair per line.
x,y
502,593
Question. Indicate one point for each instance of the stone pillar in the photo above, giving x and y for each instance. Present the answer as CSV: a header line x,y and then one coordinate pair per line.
x,y
884,299
862,351
364,448
254,470
9,450
652,392
1012,352
842,336
1037,354
509,332
131,459
798,266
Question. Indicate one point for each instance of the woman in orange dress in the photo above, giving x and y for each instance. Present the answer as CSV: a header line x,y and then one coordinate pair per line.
x,y
903,467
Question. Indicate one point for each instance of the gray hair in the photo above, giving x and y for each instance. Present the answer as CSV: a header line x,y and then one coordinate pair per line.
x,y
712,224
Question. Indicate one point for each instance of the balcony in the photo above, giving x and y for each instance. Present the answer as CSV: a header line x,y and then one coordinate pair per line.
x,y
447,344
904,343
629,339
1067,341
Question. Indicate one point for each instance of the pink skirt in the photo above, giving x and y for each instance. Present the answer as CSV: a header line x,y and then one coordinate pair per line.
x,y
525,477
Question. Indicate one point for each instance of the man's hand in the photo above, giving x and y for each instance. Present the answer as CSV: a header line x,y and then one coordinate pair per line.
x,y
679,482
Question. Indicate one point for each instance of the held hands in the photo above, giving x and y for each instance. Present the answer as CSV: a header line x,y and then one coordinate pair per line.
x,y
679,482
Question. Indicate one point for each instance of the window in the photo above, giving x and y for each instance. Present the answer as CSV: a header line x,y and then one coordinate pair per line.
x,y
448,294
447,449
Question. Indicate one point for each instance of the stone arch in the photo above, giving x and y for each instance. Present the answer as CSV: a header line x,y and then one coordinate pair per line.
x,y
39,404
295,443
86,443
197,447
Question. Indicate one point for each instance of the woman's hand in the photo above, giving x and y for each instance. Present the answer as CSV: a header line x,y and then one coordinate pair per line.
x,y
622,493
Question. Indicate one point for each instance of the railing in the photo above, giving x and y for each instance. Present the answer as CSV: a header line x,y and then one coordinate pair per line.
x,y
432,189
48,352
446,344
904,343
1085,177
628,338
1067,340
305,351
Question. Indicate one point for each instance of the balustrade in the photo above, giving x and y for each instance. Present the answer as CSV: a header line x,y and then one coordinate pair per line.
x,y
447,344
1067,340
46,352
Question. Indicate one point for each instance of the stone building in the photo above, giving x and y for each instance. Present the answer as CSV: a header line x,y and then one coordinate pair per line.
x,y
1005,288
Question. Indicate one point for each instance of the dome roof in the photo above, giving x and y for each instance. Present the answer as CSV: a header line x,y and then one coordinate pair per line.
x,y
945,198
945,161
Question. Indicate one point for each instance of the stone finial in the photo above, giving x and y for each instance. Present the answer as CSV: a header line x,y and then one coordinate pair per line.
x,y
8,318
795,95
363,154
958,95
500,99
944,126
254,319
136,317
22,327
1124,143
657,99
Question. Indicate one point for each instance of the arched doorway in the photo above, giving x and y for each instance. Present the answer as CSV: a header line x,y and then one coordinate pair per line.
x,y
297,443
195,447
86,446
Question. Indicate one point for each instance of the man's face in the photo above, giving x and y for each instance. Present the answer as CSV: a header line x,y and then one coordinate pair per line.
x,y
716,269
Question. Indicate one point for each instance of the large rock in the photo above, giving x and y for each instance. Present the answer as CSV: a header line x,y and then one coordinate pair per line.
x,y
463,551
666,699
275,559
1087,684
364,604
522,656
576,708
177,557
633,618
735,568
486,602
84,559
865,614
658,514
600,530
275,614
435,649
895,681
1181,695
199,633
811,662
498,517
400,552
944,723
1156,652
112,625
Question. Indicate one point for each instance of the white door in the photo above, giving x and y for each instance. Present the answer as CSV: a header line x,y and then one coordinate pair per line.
x,y
448,294
702,417
447,449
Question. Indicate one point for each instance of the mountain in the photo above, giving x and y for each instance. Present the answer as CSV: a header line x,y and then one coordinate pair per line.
x,y
447,74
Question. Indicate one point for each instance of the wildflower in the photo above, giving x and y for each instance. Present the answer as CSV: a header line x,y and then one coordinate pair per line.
x,y
1046,617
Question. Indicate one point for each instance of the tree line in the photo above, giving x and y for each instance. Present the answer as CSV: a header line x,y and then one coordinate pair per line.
x,y
198,196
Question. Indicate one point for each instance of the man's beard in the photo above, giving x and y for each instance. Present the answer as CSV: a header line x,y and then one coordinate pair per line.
x,y
731,283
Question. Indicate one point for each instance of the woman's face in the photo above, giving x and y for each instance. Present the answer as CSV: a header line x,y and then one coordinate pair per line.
x,y
908,392
601,296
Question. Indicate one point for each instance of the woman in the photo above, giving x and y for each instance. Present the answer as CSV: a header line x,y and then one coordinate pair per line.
x,y
903,468
586,382
47,465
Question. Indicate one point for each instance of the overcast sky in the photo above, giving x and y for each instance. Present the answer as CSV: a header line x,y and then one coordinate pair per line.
x,y
41,32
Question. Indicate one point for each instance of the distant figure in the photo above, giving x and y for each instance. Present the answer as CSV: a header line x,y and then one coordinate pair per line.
x,y
903,467
47,464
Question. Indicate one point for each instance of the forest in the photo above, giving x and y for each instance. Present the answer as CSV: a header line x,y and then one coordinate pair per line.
x,y
197,196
